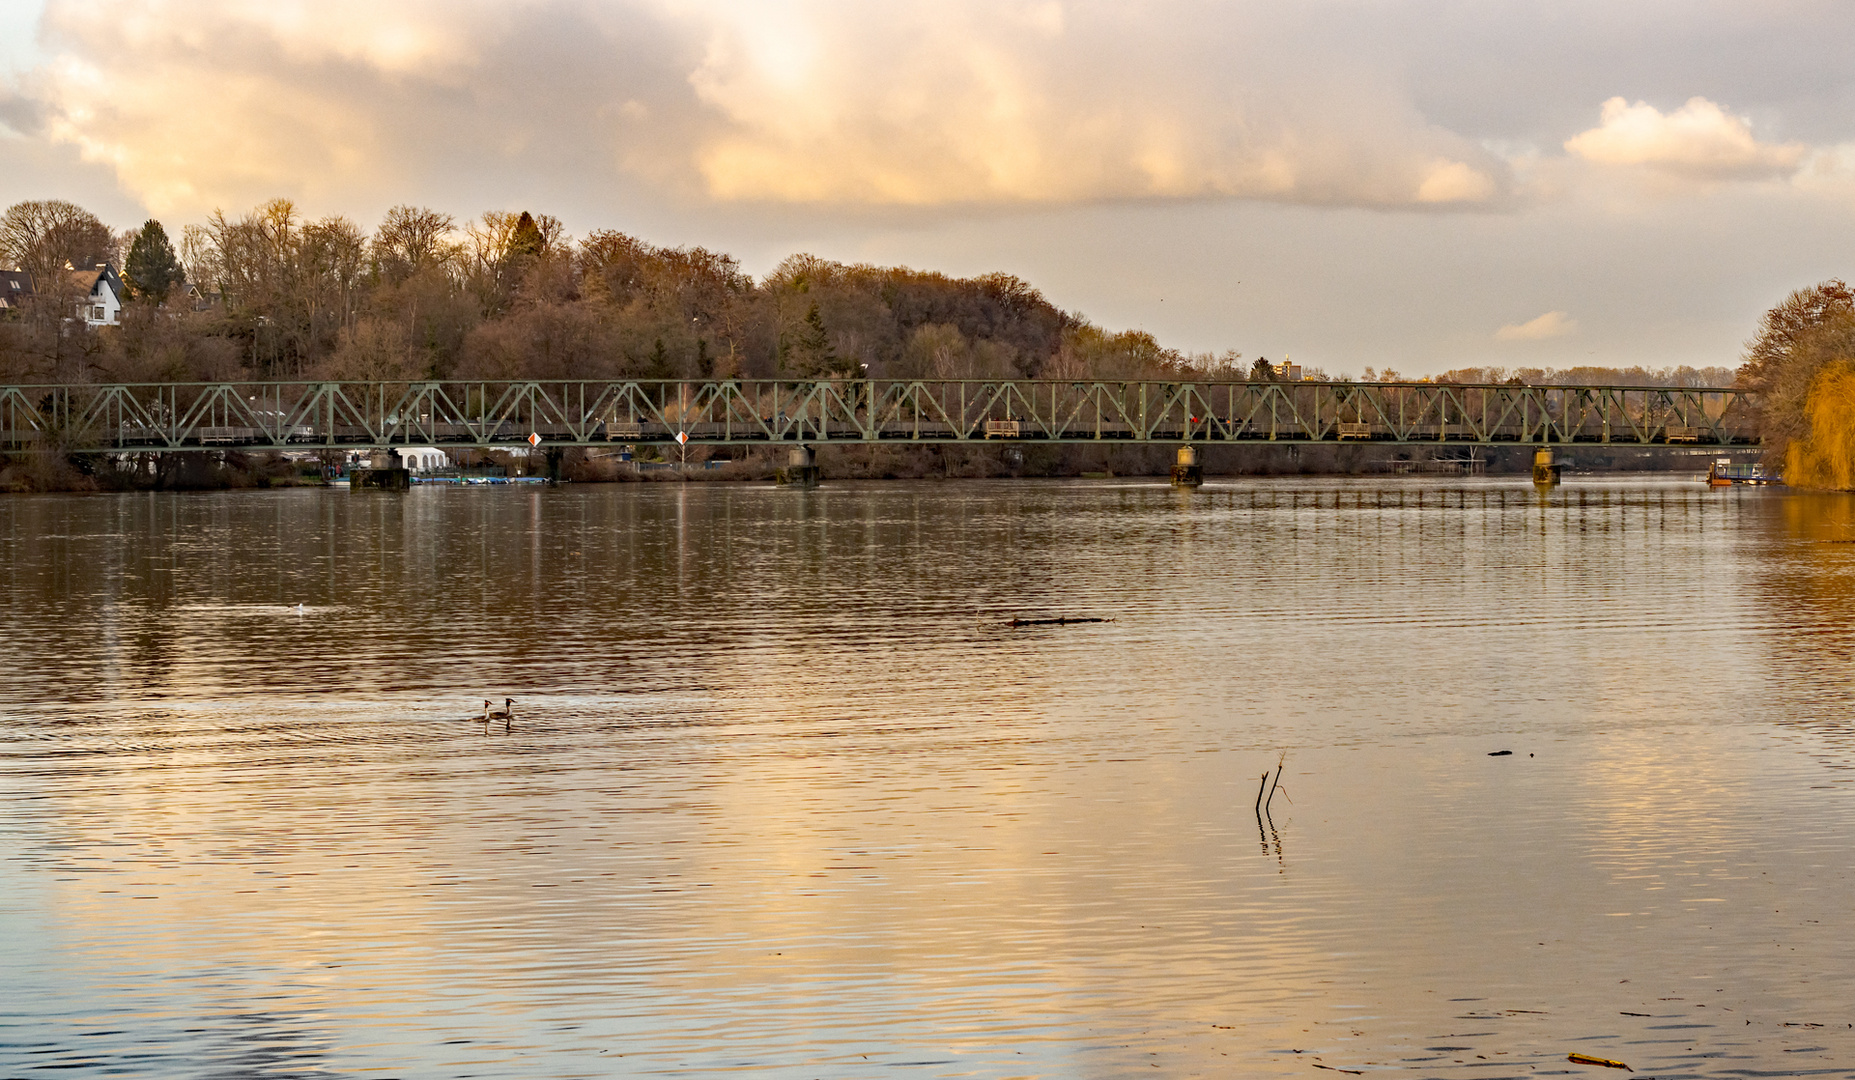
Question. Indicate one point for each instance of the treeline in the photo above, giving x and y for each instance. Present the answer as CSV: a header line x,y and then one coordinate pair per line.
x,y
1803,362
1586,375
271,294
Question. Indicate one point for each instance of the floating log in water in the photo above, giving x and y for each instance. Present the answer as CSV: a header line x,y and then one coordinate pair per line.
x,y
1053,622
1587,1059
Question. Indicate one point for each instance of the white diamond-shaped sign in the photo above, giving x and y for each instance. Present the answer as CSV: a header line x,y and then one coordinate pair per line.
x,y
534,439
682,437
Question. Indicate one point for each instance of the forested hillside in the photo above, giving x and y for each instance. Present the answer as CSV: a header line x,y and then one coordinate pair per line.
x,y
272,295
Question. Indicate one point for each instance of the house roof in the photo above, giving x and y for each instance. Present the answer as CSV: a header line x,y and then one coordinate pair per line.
x,y
102,273
15,285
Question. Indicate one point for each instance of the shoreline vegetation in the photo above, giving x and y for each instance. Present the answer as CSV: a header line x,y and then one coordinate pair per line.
x,y
229,470
272,294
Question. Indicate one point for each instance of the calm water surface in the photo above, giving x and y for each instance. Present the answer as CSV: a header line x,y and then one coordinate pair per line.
x,y
785,795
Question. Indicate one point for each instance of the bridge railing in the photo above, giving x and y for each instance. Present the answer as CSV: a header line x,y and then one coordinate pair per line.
x,y
335,415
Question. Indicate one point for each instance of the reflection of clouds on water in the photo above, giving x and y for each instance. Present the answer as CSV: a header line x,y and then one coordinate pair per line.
x,y
784,791
224,1039
1804,580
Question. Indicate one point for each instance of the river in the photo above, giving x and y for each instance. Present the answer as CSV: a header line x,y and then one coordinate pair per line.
x,y
785,793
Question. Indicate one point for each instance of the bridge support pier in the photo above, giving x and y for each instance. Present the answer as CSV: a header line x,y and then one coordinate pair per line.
x,y
1187,473
1545,469
383,473
801,469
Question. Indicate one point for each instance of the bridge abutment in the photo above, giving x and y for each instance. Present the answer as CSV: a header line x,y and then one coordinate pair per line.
x,y
1545,467
1186,471
382,473
801,469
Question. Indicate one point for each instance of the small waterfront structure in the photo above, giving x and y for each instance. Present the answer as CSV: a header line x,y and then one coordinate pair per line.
x,y
422,459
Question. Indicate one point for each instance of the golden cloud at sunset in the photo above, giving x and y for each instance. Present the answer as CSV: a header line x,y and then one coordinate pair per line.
x,y
230,101
967,102
1550,325
1699,139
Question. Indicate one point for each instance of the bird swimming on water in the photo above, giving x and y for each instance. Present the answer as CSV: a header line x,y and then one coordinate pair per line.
x,y
506,714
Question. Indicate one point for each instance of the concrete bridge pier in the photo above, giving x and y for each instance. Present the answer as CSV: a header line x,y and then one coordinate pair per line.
x,y
1545,469
801,469
1187,472
384,472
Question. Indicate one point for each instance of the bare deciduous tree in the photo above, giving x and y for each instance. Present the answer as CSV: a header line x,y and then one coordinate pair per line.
x,y
413,239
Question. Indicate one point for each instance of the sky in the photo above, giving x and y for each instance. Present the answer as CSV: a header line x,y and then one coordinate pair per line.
x,y
1348,183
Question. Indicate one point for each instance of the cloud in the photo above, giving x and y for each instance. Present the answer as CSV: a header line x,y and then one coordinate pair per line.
x,y
1455,182
914,103
1550,325
977,101
1699,140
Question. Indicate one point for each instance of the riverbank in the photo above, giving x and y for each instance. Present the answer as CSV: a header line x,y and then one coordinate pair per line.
x,y
231,470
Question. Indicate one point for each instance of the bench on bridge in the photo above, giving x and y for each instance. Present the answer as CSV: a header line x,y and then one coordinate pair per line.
x,y
1354,431
1682,435
618,429
1002,429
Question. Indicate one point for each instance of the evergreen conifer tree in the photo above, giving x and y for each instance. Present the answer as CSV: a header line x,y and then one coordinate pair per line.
x,y
527,239
152,270
812,351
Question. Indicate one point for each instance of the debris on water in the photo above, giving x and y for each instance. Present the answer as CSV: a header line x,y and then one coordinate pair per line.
x,y
1053,622
1587,1059
1500,753
1634,1014
1335,1068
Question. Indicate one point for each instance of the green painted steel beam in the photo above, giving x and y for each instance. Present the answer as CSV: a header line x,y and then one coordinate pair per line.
x,y
304,416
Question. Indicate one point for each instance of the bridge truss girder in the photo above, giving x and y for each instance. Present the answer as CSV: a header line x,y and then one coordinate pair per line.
x,y
130,418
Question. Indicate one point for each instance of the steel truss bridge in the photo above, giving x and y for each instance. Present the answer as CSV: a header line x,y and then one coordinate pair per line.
x,y
301,416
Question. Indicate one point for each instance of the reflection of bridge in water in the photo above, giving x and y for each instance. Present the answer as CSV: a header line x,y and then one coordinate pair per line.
x,y
488,415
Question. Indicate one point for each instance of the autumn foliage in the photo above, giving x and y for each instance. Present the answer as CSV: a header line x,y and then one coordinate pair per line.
x,y
271,294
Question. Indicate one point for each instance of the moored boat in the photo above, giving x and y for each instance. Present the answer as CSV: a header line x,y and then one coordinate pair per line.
x,y
1723,472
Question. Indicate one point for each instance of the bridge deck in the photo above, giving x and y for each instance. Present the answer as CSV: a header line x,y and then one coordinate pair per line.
x,y
122,418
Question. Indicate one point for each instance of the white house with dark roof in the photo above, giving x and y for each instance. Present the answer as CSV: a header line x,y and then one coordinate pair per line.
x,y
99,295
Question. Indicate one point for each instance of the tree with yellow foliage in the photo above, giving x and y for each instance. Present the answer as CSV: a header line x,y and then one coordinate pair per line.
x,y
1803,364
